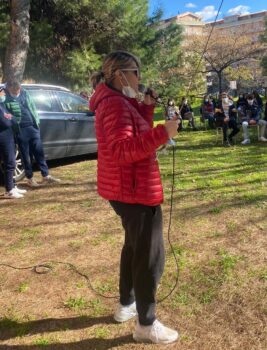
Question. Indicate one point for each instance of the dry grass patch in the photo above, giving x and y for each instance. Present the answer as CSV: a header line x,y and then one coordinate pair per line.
x,y
219,237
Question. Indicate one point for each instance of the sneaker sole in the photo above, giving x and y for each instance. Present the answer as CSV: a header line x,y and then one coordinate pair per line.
x,y
149,341
121,320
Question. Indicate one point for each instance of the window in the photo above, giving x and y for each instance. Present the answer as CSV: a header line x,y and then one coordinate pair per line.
x,y
71,103
42,100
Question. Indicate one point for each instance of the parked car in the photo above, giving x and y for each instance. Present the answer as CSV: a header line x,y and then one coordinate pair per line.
x,y
66,124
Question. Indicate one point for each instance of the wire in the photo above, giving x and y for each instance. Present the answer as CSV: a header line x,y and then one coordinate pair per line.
x,y
173,169
169,230
206,46
46,267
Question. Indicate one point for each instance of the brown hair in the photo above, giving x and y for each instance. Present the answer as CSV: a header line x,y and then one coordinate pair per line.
x,y
113,61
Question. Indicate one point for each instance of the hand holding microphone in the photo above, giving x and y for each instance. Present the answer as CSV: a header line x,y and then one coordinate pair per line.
x,y
150,96
171,127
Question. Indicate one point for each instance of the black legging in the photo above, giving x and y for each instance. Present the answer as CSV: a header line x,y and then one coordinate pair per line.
x,y
142,257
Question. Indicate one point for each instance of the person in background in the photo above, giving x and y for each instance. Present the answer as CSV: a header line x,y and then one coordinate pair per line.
x,y
8,150
128,177
21,106
241,106
207,111
225,117
252,117
172,113
187,113
258,99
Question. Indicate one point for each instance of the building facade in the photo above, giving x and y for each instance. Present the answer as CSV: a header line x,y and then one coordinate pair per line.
x,y
252,25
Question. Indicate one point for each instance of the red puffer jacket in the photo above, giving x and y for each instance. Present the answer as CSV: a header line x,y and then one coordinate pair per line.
x,y
127,166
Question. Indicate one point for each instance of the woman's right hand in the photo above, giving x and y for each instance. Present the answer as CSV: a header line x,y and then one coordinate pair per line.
x,y
171,127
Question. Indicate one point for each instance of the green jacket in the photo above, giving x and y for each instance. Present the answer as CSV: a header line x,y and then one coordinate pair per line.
x,y
14,108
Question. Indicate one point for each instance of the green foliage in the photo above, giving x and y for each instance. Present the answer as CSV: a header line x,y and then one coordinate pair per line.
x,y
264,40
264,65
68,40
79,64
162,71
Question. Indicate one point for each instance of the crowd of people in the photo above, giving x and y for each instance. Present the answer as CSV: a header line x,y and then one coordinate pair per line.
x,y
224,113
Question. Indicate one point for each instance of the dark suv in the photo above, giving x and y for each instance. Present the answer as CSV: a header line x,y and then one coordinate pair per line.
x,y
67,125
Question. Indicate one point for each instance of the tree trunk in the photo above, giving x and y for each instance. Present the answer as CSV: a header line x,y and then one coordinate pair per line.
x,y
220,81
18,44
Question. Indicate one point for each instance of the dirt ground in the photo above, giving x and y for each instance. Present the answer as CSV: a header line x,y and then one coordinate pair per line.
x,y
219,303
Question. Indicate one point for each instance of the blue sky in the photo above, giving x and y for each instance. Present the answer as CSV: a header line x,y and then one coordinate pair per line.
x,y
208,9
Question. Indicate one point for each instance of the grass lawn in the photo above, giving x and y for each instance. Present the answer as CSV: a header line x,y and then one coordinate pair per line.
x,y
218,232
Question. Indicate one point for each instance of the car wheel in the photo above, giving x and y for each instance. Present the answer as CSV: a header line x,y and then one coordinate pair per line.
x,y
19,170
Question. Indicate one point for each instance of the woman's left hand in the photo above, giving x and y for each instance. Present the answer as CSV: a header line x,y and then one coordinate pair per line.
x,y
150,99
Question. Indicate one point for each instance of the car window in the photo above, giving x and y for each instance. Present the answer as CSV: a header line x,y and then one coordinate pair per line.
x,y
42,100
71,103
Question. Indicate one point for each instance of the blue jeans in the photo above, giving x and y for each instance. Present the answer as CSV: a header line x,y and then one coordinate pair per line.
x,y
8,155
29,142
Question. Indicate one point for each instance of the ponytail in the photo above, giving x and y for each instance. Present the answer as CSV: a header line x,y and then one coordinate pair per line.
x,y
97,78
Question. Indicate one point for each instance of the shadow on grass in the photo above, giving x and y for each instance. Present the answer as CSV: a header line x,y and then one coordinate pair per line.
x,y
203,209
88,344
11,329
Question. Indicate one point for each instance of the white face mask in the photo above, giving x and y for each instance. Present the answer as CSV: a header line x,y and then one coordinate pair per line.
x,y
15,96
127,90
250,102
2,98
225,99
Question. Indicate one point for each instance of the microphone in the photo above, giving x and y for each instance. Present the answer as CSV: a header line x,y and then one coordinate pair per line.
x,y
147,91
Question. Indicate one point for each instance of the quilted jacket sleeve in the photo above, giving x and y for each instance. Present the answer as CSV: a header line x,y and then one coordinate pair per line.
x,y
147,111
126,144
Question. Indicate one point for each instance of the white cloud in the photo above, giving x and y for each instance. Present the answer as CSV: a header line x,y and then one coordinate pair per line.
x,y
208,12
190,5
239,10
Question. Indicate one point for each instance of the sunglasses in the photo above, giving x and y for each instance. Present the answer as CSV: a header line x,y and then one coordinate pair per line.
x,y
134,70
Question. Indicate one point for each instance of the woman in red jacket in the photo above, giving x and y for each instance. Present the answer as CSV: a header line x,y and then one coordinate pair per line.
x,y
128,177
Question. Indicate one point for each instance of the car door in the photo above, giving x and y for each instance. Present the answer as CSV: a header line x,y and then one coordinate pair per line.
x,y
52,123
80,129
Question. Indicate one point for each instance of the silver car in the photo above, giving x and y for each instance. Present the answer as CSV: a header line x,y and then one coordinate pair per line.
x,y
66,124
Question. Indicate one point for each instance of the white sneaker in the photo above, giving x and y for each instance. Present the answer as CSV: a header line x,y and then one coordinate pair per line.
x,y
156,333
20,190
49,180
13,194
245,142
32,183
124,313
263,139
